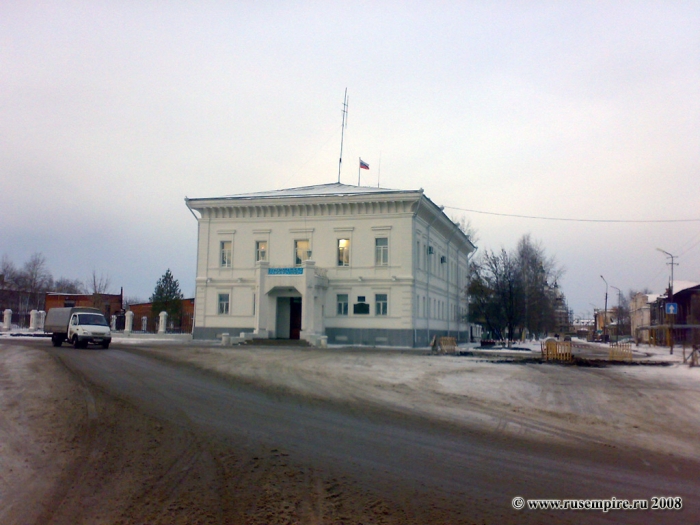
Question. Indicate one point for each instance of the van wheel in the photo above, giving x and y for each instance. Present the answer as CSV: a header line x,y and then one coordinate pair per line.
x,y
105,345
76,343
57,340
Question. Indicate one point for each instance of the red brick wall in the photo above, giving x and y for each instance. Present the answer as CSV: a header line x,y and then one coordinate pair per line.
x,y
109,304
145,309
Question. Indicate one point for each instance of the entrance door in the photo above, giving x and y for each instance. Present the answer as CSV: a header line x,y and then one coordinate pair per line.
x,y
294,317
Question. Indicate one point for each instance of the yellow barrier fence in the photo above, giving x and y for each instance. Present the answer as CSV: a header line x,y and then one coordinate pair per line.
x,y
556,350
620,352
448,345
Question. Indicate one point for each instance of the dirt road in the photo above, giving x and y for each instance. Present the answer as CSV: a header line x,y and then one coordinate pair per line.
x,y
113,437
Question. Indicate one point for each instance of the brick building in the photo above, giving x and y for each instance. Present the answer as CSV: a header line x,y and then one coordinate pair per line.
x,y
146,321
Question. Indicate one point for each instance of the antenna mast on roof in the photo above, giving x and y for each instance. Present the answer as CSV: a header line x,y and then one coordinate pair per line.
x,y
342,131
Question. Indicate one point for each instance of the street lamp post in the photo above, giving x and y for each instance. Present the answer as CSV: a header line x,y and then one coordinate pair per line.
x,y
617,327
605,318
670,317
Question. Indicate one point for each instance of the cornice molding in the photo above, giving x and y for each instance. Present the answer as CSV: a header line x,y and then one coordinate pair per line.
x,y
221,209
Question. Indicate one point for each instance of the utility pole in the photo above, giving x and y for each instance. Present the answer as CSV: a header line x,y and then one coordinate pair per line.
x,y
670,317
619,301
605,318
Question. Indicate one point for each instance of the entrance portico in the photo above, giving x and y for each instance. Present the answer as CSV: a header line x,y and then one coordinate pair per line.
x,y
289,301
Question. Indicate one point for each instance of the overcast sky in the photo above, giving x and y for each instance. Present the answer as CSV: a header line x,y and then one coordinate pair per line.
x,y
112,112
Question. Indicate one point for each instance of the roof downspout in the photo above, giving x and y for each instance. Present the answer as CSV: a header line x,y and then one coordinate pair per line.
x,y
427,286
415,269
194,312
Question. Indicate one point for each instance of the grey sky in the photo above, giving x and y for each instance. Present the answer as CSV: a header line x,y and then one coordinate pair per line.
x,y
112,112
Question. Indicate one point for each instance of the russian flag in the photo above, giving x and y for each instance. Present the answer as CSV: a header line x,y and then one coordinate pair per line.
x,y
363,165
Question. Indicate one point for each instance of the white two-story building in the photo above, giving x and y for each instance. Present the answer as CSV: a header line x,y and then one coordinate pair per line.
x,y
359,265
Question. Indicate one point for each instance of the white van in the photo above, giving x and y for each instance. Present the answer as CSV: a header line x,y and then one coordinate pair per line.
x,y
79,326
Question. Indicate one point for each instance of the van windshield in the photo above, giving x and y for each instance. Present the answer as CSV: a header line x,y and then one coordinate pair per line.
x,y
92,319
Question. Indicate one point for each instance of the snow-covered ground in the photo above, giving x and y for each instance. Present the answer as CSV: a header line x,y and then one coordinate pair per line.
x,y
654,407
646,407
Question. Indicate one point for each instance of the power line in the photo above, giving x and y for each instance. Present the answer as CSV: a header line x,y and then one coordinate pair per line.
x,y
571,220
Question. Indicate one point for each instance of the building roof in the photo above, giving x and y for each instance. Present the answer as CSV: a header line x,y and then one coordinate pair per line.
x,y
333,190
320,190
679,286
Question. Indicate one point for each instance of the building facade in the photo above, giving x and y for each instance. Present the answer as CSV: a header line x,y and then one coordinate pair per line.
x,y
358,265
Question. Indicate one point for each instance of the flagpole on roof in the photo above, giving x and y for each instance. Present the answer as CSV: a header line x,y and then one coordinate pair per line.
x,y
359,164
342,131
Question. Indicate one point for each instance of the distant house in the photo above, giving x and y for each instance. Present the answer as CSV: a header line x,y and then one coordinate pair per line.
x,y
108,304
146,321
562,315
641,306
355,264
654,324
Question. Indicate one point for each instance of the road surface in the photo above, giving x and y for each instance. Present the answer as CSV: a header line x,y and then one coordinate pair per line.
x,y
159,442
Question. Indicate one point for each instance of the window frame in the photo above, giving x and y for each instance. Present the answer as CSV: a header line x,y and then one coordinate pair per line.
x,y
342,307
343,253
258,250
381,307
298,261
220,303
226,254
381,252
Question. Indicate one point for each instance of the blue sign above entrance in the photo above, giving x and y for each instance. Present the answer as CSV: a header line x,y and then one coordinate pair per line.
x,y
285,271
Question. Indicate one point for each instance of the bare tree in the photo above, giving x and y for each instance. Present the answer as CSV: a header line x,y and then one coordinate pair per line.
x,y
514,291
8,274
467,228
539,274
65,285
97,284
133,299
35,279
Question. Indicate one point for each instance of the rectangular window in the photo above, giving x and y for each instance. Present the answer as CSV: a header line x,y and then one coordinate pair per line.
x,y
223,303
381,304
342,304
381,251
260,251
343,252
302,251
226,254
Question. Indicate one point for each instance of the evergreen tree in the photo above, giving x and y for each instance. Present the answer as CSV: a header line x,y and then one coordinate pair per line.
x,y
167,297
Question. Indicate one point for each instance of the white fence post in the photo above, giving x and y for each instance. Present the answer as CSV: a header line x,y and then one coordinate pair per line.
x,y
129,322
32,320
7,320
163,322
